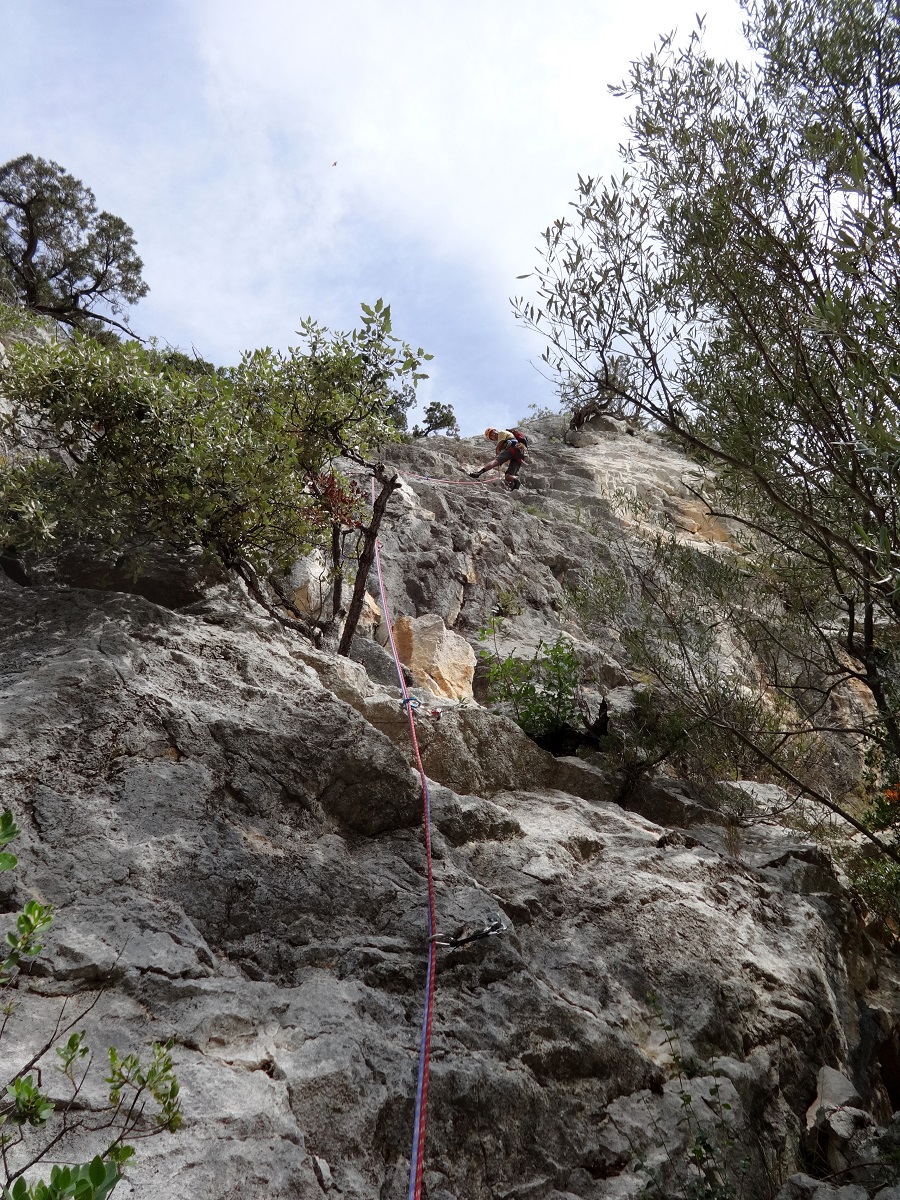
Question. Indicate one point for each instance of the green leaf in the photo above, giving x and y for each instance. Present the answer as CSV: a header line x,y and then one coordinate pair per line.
x,y
8,828
7,861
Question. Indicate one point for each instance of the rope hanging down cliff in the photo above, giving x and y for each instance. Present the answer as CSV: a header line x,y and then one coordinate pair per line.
x,y
492,927
455,482
419,1120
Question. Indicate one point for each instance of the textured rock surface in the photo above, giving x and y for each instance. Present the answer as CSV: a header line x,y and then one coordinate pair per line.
x,y
438,659
463,551
228,823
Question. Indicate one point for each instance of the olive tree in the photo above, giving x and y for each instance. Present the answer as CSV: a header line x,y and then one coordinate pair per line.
x,y
59,256
744,267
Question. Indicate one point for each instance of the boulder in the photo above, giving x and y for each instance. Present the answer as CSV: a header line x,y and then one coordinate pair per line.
x,y
805,1187
378,662
438,659
833,1091
671,802
309,584
473,751
371,619
587,434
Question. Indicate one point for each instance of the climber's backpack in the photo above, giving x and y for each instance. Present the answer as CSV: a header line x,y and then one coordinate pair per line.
x,y
523,443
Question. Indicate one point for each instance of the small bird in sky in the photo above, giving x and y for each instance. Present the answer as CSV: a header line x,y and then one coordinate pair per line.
x,y
334,164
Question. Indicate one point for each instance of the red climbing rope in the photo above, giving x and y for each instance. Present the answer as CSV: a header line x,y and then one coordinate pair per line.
x,y
417,1160
457,482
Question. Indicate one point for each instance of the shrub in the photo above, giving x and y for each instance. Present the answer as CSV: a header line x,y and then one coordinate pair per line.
x,y
746,673
542,691
123,446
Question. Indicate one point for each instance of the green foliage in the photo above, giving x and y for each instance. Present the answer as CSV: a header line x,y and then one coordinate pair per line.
x,y
405,374
542,691
18,322
744,679
129,1079
507,603
655,731
58,254
719,654
32,1126
29,1105
24,942
9,831
437,417
878,883
604,600
121,447
883,811
746,264
173,361
91,1181
71,1052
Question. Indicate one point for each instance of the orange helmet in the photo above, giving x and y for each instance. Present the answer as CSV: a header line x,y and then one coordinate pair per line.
x,y
490,433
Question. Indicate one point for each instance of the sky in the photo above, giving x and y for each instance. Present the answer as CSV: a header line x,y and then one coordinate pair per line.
x,y
279,159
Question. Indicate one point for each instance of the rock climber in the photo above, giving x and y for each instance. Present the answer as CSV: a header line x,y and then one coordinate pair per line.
x,y
511,447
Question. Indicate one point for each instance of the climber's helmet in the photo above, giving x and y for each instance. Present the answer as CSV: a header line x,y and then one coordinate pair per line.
x,y
491,434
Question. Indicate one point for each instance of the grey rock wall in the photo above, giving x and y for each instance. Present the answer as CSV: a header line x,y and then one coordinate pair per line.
x,y
229,825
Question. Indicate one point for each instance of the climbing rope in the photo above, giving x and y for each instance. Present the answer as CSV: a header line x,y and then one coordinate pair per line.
x,y
456,482
492,927
417,1160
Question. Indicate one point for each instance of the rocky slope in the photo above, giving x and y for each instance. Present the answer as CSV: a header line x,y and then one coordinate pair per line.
x,y
228,822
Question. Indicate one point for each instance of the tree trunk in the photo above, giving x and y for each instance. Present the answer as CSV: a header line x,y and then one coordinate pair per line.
x,y
337,579
366,558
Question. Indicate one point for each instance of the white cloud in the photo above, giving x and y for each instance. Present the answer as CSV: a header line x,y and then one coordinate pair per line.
x,y
458,130
464,121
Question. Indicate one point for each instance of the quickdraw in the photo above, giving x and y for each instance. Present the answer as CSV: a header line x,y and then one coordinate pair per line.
x,y
411,704
492,928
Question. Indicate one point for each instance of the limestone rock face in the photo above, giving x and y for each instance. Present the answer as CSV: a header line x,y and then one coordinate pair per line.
x,y
163,577
438,659
469,553
598,424
309,584
228,823
479,752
